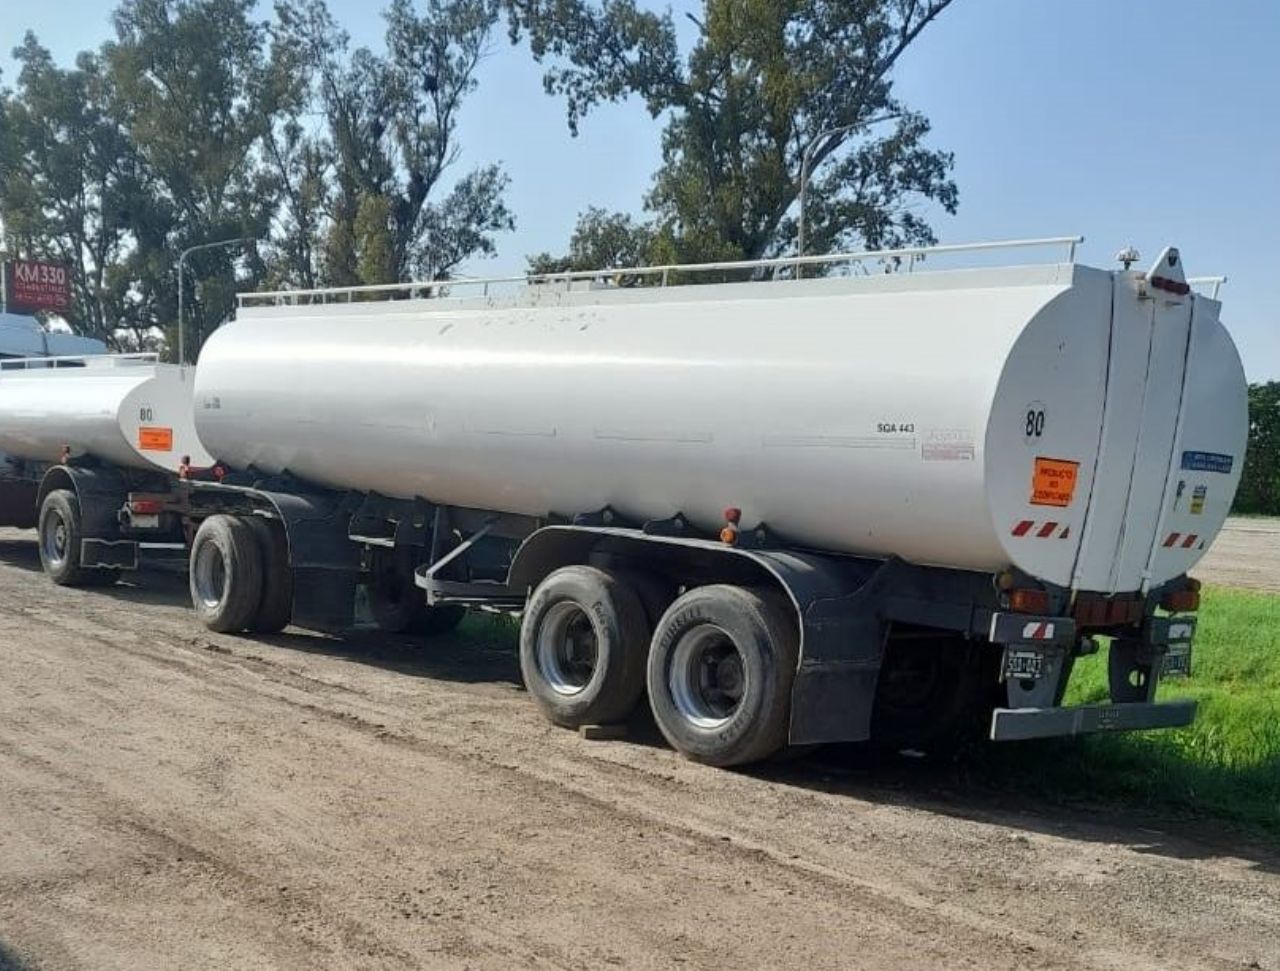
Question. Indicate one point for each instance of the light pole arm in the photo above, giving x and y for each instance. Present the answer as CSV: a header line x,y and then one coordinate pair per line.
x,y
182,259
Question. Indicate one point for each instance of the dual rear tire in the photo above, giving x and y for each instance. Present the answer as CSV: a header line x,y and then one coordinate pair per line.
x,y
240,576
718,664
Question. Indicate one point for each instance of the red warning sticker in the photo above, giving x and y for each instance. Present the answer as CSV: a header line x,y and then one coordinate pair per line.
x,y
1053,483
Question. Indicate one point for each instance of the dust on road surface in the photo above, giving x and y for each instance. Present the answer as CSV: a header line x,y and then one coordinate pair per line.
x,y
1245,554
175,799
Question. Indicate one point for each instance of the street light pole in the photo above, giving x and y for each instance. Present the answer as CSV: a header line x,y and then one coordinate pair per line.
x,y
807,157
182,259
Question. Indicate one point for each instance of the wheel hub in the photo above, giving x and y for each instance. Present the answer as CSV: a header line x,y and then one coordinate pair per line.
x,y
55,540
707,678
567,648
210,573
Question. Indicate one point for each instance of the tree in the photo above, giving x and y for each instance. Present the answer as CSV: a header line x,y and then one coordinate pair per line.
x,y
764,82
68,184
600,241
392,125
199,122
196,97
1259,490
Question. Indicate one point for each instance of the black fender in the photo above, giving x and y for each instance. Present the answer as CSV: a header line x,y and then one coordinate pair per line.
x,y
100,492
837,601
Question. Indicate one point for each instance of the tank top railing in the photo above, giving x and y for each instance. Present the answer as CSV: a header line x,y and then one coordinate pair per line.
x,y
1214,283
901,260
78,361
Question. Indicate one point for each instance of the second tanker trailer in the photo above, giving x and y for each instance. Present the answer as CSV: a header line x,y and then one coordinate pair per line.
x,y
788,512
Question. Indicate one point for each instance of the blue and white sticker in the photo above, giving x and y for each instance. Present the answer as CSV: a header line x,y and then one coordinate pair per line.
x,y
1208,462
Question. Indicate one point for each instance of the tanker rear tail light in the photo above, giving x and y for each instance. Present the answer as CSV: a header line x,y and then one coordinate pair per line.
x,y
1182,601
146,507
1029,601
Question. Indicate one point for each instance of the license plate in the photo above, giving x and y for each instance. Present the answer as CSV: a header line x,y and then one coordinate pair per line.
x,y
1023,664
144,522
1177,661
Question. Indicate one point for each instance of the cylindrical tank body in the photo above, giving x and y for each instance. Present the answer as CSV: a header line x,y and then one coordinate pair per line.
x,y
124,410
898,415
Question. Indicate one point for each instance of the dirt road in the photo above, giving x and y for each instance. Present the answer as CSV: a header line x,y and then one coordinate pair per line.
x,y
175,800
1245,554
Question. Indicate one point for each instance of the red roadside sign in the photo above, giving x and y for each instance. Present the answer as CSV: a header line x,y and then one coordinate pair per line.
x,y
34,285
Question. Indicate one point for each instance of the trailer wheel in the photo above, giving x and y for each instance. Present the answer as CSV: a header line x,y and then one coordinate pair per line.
x,y
226,574
720,673
934,694
59,533
396,603
276,607
655,594
583,640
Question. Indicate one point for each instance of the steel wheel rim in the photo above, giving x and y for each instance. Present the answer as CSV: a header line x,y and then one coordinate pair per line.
x,y
53,539
567,648
707,677
209,573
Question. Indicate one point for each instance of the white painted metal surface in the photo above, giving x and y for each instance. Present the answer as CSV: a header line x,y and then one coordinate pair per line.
x,y
124,409
952,418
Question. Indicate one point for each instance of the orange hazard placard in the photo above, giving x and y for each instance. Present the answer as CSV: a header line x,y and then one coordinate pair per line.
x,y
155,439
1054,482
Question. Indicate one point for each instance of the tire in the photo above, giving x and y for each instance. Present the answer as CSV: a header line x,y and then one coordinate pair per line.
x,y
226,574
720,673
393,599
396,603
59,531
934,694
583,640
655,594
276,607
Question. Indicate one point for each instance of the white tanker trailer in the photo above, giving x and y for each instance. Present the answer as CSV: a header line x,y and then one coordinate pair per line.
x,y
121,419
795,511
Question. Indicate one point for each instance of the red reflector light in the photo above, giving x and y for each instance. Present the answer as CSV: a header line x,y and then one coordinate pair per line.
x,y
146,507
1181,601
1029,601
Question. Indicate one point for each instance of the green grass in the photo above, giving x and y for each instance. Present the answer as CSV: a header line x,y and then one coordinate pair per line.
x,y
1227,764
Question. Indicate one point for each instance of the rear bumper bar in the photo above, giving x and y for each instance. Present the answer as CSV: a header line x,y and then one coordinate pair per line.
x,y
1013,724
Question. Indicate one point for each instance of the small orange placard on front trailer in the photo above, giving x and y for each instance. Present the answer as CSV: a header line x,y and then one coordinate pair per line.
x,y
1054,482
155,439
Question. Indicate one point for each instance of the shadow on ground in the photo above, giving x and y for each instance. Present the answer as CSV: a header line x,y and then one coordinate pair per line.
x,y
23,554
998,785
9,960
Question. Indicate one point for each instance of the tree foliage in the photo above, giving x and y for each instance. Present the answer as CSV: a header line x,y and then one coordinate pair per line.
x,y
764,83
69,176
1260,482
601,240
199,122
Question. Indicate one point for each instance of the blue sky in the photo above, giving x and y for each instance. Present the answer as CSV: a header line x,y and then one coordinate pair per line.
x,y
1147,122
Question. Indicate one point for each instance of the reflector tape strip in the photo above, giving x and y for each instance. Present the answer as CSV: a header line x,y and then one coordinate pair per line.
x,y
1190,541
1173,538
1041,631
1045,530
